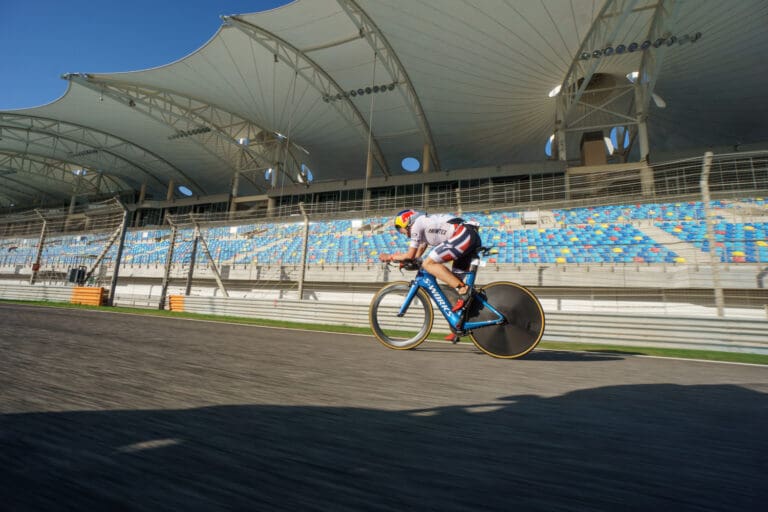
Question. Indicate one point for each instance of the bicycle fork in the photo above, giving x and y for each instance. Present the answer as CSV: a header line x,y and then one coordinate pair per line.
x,y
408,298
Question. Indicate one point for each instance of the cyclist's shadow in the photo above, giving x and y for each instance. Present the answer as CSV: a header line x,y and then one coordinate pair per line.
x,y
608,447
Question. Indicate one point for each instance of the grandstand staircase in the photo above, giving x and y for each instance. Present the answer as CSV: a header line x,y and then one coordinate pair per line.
x,y
743,212
690,252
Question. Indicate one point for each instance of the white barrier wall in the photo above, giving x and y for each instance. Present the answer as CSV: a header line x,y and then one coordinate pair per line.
x,y
724,334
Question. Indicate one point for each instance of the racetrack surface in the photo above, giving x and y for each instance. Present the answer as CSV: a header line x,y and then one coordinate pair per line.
x,y
107,411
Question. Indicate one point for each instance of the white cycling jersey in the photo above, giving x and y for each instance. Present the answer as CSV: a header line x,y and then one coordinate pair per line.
x,y
432,230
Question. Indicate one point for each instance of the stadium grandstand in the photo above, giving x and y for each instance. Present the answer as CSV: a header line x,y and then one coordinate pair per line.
x,y
615,155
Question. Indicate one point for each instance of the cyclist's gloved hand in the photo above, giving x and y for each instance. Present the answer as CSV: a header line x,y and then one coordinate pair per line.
x,y
385,257
412,264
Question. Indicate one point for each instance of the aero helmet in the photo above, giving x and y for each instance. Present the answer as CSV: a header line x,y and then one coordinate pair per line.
x,y
405,218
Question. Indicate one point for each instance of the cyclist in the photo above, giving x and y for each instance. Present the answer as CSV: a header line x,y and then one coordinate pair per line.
x,y
451,239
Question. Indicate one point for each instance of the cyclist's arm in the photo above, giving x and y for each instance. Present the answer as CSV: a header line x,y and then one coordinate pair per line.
x,y
413,252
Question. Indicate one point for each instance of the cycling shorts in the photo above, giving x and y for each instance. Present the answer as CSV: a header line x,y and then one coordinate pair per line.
x,y
459,248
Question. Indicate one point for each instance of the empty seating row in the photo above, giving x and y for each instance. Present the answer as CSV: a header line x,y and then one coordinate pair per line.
x,y
579,235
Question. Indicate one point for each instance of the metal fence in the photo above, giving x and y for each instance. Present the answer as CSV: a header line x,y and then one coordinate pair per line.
x,y
536,199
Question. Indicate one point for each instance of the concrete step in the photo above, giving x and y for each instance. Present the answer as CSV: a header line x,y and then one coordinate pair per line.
x,y
691,253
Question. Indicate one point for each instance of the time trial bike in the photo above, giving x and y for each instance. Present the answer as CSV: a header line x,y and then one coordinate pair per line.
x,y
502,319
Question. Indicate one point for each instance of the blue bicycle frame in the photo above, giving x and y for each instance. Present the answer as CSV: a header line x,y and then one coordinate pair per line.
x,y
429,283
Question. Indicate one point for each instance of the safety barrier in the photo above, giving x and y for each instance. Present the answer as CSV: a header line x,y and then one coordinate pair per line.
x,y
176,303
731,335
36,293
89,296
688,332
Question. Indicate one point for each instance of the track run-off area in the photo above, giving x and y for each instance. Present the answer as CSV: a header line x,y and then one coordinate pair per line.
x,y
108,411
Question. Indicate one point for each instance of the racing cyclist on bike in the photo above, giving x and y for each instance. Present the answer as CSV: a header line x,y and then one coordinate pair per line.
x,y
451,239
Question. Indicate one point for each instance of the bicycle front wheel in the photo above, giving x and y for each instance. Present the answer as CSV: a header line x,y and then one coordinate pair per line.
x,y
400,332
525,320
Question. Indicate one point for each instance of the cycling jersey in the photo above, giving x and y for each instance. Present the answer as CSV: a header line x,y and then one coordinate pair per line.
x,y
432,230
450,238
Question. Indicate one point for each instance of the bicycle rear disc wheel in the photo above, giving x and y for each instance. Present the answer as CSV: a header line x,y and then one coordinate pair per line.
x,y
400,332
525,320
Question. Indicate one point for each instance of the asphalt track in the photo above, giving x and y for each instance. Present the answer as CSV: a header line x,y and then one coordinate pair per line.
x,y
106,411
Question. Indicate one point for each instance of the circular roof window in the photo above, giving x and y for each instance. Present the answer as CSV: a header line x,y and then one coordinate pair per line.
x,y
184,190
410,164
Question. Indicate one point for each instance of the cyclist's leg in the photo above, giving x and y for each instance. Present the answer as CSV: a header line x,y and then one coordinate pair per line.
x,y
440,271
458,249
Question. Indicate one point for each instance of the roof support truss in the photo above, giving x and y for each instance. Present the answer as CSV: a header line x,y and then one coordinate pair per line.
x,y
85,146
664,18
46,170
572,112
22,177
216,130
605,29
315,76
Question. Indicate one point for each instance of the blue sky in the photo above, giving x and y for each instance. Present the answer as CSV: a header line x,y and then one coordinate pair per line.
x,y
43,39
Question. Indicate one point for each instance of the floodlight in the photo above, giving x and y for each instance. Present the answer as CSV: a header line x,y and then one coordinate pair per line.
x,y
609,145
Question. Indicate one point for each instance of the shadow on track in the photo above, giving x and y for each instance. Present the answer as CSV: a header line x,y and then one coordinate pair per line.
x,y
536,355
643,447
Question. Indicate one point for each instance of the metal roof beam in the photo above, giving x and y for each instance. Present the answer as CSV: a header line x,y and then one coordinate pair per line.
x,y
215,130
310,71
148,162
78,152
395,68
47,170
663,21
604,30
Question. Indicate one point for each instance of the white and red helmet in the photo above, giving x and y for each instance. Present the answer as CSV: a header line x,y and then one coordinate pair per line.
x,y
405,218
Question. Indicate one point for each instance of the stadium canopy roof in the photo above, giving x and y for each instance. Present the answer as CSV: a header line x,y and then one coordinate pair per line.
x,y
456,84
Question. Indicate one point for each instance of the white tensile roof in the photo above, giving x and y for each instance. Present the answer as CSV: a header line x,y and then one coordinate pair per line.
x,y
466,79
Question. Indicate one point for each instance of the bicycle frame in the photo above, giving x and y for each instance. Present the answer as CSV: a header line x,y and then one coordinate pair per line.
x,y
428,282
